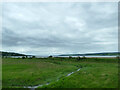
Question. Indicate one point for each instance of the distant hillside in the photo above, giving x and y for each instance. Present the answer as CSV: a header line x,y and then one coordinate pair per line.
x,y
11,54
94,54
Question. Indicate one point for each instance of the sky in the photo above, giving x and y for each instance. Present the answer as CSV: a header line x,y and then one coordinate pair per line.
x,y
53,28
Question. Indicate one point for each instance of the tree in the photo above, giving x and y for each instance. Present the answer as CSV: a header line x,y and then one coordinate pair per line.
x,y
23,57
33,57
50,56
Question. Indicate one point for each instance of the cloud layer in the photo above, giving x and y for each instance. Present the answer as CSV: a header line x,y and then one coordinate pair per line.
x,y
59,28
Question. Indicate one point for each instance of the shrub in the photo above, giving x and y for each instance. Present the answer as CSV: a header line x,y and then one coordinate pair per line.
x,y
50,56
33,57
23,57
70,57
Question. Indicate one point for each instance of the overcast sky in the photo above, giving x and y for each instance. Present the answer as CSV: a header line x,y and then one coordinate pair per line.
x,y
60,28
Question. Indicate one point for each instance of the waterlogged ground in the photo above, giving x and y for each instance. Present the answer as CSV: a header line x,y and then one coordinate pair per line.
x,y
94,73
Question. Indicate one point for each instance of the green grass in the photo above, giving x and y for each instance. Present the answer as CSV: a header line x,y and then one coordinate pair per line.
x,y
95,73
30,72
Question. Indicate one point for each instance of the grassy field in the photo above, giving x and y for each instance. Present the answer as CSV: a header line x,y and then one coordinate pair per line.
x,y
94,73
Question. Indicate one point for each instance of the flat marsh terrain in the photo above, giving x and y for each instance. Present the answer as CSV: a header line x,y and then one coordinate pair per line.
x,y
93,73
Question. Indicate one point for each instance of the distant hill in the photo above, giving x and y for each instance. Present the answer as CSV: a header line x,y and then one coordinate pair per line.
x,y
11,54
94,54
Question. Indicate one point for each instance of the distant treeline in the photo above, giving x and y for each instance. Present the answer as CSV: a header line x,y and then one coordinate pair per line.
x,y
95,54
10,54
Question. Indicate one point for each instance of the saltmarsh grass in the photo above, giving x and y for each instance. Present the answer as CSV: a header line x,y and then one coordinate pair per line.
x,y
94,73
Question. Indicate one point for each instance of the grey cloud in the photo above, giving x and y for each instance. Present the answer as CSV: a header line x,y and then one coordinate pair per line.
x,y
52,28
10,38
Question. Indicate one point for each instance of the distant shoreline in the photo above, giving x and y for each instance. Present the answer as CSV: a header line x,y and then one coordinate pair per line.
x,y
80,56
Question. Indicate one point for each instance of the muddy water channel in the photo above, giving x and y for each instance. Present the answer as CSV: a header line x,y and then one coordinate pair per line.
x,y
33,87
